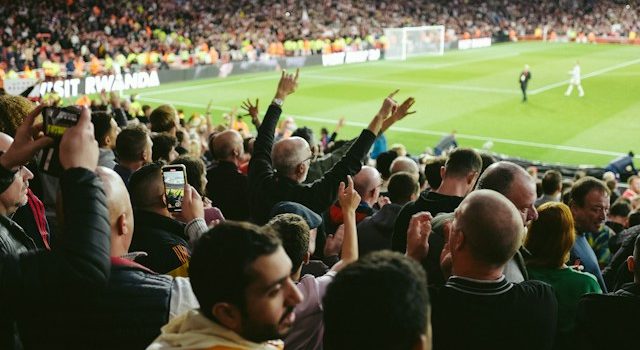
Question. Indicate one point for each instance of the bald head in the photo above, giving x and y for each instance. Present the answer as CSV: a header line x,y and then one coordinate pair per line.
x,y
120,211
491,226
367,183
227,145
5,141
405,164
288,155
512,181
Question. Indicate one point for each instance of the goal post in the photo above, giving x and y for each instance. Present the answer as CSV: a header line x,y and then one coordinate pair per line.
x,y
414,41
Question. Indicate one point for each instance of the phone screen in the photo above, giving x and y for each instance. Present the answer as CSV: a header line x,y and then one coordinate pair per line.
x,y
58,120
174,181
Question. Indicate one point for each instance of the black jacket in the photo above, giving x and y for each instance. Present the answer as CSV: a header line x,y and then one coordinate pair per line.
x,y
127,314
267,188
80,262
227,188
163,239
375,231
434,203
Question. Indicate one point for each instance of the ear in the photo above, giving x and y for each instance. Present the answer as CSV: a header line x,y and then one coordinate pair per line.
x,y
121,223
459,241
631,264
228,315
471,178
421,343
107,140
307,257
443,172
144,156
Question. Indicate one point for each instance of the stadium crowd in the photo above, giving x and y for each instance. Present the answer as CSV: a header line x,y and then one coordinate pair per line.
x,y
288,239
79,37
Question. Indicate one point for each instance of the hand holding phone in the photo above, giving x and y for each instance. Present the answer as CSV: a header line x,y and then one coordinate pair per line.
x,y
56,121
174,178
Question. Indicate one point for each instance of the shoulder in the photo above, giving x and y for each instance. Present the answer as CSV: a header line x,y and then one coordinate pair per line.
x,y
534,290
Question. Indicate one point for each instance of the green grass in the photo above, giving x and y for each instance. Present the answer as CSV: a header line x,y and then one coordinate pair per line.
x,y
475,92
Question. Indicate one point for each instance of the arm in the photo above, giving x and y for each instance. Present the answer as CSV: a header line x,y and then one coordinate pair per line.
x,y
193,214
319,196
82,258
418,236
349,200
260,163
252,111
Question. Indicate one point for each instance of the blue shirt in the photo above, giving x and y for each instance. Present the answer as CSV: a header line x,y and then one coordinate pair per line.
x,y
582,251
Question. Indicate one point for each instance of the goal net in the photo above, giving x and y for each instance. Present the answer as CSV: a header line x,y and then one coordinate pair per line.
x,y
414,41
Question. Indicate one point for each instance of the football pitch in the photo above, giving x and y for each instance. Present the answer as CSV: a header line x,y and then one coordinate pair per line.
x,y
474,92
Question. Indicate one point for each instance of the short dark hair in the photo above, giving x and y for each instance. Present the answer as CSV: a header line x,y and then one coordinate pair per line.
x,y
620,208
463,161
432,171
354,317
634,218
401,187
162,145
583,187
487,160
306,134
131,142
220,266
101,126
551,181
163,119
294,234
195,170
145,184
383,163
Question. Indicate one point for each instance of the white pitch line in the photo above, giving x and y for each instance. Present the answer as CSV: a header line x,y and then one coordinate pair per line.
x,y
406,83
414,131
588,75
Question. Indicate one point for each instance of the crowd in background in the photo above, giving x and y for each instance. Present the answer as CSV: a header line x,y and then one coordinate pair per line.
x,y
79,37
308,241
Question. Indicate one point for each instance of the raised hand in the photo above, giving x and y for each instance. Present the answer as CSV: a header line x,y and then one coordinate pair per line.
x,y
333,244
192,204
79,148
399,113
28,140
388,107
445,256
418,235
252,110
287,84
348,197
114,99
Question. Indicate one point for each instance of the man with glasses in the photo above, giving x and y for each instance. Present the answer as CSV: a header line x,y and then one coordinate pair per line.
x,y
276,172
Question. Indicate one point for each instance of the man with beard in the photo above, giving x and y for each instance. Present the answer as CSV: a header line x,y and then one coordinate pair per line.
x,y
241,277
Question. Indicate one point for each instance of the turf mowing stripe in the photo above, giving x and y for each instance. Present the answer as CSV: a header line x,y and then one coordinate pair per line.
x,y
588,75
406,83
409,130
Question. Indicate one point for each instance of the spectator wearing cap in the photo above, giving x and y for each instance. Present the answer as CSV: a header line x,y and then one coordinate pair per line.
x,y
551,188
620,309
616,273
307,331
311,267
375,231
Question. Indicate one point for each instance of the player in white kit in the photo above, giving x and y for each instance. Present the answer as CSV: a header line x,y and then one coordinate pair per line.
x,y
575,81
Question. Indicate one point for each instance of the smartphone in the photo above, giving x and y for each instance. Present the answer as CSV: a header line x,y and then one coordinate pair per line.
x,y
56,120
174,178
